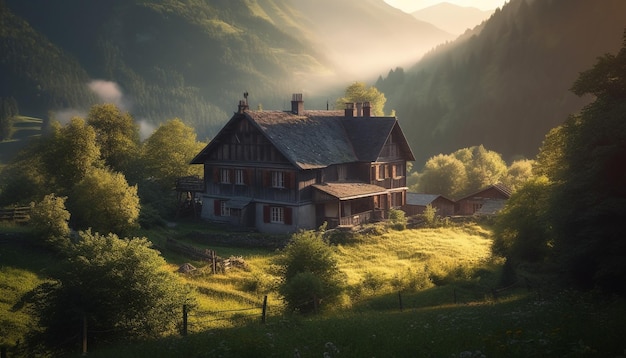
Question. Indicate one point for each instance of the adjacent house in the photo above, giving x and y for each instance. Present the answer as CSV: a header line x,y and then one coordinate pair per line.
x,y
487,201
282,171
416,204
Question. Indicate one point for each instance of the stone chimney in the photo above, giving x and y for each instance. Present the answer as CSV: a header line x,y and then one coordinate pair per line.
x,y
359,109
297,104
367,109
349,113
243,106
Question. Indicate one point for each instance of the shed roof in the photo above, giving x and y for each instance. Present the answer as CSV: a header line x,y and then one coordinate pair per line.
x,y
420,199
346,191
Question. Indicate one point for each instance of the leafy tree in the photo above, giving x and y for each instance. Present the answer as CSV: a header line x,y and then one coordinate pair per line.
x,y
518,173
168,151
49,219
116,134
309,273
69,153
120,287
522,229
485,168
25,179
8,111
359,92
104,201
588,206
443,174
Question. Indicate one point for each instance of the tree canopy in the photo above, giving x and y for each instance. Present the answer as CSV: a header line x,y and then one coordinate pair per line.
x,y
359,92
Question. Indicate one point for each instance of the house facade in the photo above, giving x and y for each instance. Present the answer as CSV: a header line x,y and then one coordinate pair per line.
x,y
416,204
487,201
282,171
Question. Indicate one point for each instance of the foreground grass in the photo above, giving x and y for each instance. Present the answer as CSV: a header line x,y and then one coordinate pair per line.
x,y
424,292
564,325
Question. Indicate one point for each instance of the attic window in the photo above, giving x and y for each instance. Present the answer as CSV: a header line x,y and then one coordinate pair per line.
x,y
224,176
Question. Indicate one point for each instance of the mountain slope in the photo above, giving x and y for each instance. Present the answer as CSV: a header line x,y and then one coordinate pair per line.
x,y
193,59
452,18
506,86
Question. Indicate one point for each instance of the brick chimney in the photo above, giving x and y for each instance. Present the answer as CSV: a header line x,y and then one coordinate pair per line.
x,y
367,109
349,113
297,104
359,109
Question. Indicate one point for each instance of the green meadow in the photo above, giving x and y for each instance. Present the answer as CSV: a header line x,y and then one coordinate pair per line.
x,y
412,293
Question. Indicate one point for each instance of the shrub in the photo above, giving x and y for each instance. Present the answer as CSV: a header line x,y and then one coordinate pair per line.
x,y
397,219
309,273
49,219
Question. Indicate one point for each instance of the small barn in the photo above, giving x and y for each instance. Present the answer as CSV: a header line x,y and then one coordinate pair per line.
x,y
486,201
416,204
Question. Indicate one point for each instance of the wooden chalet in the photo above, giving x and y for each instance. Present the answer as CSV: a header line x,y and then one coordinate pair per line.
x,y
282,171
487,201
416,204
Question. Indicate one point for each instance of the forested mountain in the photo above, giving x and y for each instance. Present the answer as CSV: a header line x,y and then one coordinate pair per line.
x,y
507,85
193,59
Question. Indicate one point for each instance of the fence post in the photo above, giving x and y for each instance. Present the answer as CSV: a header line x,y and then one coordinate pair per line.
x,y
84,334
184,332
264,309
400,300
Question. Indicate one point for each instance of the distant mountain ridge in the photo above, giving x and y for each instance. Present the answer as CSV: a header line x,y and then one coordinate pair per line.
x,y
506,85
452,18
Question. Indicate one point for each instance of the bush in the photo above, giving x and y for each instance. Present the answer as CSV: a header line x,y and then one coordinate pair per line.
x,y
119,286
310,276
397,219
49,220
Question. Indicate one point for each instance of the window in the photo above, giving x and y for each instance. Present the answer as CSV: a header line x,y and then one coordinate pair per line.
x,y
277,215
224,176
382,172
224,210
239,178
278,179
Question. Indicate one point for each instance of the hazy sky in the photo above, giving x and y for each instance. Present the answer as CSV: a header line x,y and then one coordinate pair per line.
x,y
413,5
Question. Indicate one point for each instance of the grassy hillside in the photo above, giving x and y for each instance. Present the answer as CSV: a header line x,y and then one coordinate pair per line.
x,y
422,292
24,129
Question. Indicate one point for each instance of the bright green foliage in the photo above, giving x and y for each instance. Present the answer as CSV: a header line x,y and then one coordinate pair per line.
x,y
309,272
518,173
69,153
359,92
168,151
443,174
430,215
117,136
49,219
120,286
104,201
484,168
522,229
397,219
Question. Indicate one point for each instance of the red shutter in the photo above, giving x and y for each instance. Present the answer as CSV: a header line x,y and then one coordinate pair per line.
x,y
217,208
266,214
287,178
216,175
267,178
247,174
288,216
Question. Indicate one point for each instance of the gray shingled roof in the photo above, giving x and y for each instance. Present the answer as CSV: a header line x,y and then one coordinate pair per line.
x,y
345,191
317,138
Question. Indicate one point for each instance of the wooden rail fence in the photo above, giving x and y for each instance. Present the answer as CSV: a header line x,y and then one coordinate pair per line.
x,y
18,214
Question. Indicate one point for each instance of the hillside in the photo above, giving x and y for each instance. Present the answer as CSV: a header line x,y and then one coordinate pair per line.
x,y
506,86
194,59
452,18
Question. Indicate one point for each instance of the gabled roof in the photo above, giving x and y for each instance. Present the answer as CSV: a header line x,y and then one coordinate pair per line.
x,y
423,199
501,188
317,138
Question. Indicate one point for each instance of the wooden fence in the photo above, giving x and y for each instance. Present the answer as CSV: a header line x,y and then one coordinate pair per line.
x,y
18,214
